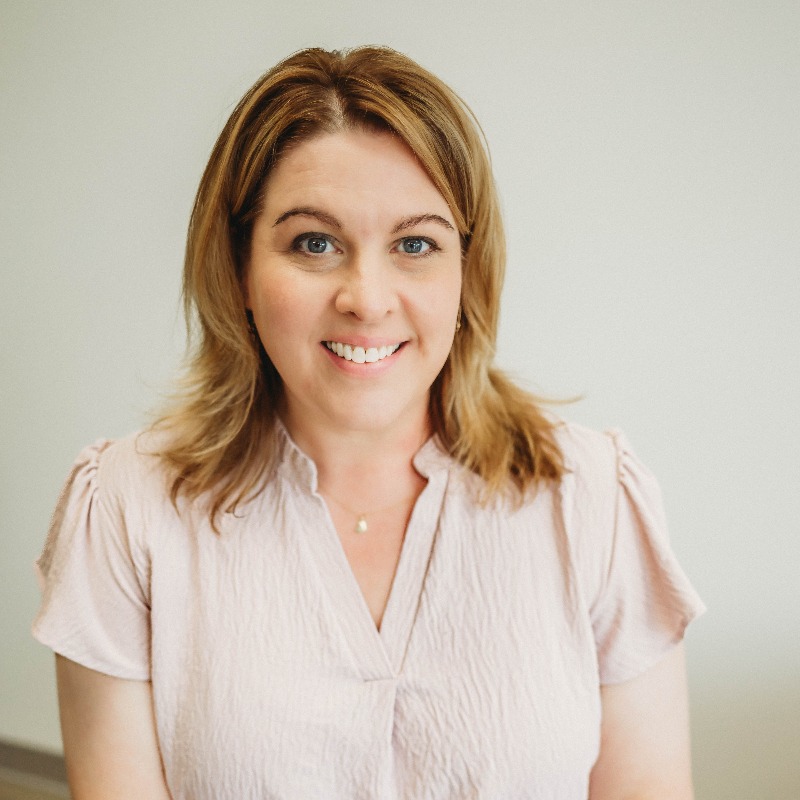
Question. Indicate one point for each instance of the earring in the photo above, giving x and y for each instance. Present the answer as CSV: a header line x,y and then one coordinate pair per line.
x,y
458,320
251,324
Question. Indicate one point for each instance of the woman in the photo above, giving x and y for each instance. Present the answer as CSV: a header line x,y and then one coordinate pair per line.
x,y
354,560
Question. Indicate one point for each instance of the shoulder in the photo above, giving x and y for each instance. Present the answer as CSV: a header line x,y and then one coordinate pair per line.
x,y
591,458
123,472
130,463
589,493
603,470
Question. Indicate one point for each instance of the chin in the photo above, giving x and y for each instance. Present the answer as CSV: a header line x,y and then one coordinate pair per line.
x,y
380,416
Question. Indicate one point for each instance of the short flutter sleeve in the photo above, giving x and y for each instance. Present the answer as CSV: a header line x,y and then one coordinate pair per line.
x,y
94,573
638,598
645,600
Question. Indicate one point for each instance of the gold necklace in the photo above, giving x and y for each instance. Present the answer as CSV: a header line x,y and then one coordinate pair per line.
x,y
361,525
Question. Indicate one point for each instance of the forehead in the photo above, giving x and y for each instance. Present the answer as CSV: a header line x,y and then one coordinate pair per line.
x,y
368,172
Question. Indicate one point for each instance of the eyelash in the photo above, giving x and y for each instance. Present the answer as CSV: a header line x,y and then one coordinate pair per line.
x,y
432,246
299,241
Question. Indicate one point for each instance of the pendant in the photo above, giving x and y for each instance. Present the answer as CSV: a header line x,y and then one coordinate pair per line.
x,y
361,524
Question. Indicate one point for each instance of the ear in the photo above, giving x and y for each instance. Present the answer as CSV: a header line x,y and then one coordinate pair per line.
x,y
245,286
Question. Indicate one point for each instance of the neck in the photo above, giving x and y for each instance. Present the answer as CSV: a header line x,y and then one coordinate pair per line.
x,y
374,466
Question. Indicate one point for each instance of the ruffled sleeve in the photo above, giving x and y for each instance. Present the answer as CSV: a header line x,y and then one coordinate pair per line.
x,y
645,601
94,574
636,596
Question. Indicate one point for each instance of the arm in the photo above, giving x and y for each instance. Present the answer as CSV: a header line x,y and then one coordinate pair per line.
x,y
644,749
109,732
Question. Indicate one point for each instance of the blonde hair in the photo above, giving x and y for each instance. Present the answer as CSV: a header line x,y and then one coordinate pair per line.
x,y
221,424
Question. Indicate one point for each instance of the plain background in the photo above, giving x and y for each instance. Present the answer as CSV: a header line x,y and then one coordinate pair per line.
x,y
648,159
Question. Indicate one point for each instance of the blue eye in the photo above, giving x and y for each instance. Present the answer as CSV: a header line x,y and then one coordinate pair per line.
x,y
314,244
415,246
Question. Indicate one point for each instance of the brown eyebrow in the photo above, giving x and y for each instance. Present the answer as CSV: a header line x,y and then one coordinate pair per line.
x,y
410,222
307,211
329,219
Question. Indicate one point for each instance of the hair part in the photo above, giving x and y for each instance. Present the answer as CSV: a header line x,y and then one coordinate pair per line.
x,y
221,420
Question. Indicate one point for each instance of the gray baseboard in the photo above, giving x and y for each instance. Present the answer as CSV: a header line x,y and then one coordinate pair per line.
x,y
28,761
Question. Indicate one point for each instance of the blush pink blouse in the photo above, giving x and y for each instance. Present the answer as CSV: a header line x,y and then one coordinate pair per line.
x,y
270,679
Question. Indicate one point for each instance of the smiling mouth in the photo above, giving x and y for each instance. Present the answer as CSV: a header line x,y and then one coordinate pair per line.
x,y
361,355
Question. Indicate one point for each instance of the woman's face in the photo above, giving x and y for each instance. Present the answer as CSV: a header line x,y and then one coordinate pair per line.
x,y
354,281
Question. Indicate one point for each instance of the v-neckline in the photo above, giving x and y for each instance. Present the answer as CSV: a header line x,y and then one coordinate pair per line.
x,y
379,654
408,584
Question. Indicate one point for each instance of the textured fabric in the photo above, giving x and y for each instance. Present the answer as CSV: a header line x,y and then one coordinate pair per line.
x,y
270,679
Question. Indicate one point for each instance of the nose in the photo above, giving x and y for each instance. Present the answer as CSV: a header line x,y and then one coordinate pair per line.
x,y
366,290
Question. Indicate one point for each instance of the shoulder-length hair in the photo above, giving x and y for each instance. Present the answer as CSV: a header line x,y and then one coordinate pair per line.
x,y
222,421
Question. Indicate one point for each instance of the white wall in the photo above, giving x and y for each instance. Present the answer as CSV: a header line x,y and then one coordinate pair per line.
x,y
647,156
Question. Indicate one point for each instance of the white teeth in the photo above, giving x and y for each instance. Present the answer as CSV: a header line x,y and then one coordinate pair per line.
x,y
360,355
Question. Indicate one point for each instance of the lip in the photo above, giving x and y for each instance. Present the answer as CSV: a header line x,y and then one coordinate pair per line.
x,y
365,341
366,368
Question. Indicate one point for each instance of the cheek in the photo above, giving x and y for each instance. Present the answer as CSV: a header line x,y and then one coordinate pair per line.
x,y
284,311
438,312
268,293
445,299
278,318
